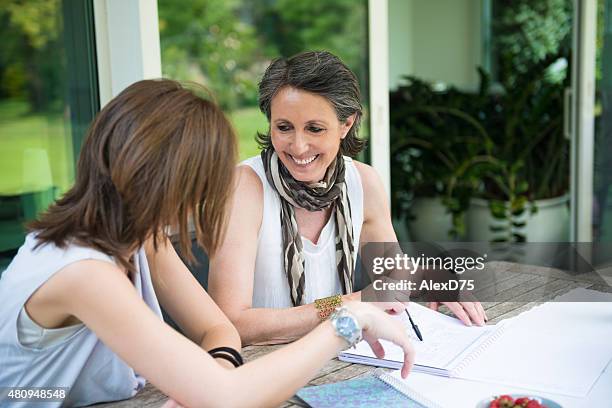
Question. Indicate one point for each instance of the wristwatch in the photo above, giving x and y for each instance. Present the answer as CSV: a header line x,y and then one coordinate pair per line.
x,y
346,325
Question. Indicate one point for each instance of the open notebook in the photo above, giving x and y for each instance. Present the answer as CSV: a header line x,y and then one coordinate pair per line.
x,y
447,347
420,390
561,348
434,391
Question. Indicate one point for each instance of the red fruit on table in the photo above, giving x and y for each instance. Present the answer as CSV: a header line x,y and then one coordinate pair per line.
x,y
533,404
522,401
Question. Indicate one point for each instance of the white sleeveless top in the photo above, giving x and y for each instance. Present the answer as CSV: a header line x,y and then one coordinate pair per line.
x,y
270,286
72,357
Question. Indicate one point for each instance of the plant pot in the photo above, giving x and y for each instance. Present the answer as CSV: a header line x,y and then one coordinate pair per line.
x,y
431,221
549,224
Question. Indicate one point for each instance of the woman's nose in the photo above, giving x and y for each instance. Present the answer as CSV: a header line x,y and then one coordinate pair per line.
x,y
300,143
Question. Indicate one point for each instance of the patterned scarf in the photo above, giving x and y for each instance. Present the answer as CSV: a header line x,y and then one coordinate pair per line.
x,y
312,197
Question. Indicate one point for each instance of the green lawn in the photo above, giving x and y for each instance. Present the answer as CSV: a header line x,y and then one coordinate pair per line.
x,y
247,122
36,156
36,149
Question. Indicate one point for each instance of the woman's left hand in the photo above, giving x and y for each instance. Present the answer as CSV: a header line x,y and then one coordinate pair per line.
x,y
467,312
392,308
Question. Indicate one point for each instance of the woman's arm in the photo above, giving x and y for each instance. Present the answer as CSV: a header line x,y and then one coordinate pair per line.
x,y
317,346
377,227
232,269
187,303
101,296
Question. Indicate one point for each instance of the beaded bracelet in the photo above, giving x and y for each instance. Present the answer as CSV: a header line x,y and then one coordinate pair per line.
x,y
326,306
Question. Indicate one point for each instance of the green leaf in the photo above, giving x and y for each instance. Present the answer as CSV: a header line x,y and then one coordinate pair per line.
x,y
522,187
498,228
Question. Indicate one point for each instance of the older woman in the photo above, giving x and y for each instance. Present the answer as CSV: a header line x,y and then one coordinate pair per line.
x,y
303,207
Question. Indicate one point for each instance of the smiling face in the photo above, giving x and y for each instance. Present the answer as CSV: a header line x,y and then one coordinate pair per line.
x,y
306,133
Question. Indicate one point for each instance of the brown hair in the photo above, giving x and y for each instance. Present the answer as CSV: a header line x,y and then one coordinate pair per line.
x,y
156,155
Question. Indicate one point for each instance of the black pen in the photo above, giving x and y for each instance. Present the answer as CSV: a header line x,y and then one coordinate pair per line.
x,y
414,326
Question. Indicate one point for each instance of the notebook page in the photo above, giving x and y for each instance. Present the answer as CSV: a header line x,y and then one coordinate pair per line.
x,y
557,347
445,392
445,339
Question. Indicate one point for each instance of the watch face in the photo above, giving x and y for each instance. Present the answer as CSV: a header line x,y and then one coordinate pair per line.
x,y
346,326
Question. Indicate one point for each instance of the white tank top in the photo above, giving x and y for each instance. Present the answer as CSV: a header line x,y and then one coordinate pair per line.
x,y
270,286
71,357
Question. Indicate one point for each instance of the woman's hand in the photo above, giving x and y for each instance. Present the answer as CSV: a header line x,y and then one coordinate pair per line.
x,y
393,308
467,312
378,325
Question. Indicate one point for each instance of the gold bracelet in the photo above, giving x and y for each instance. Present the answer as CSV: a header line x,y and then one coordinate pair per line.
x,y
325,306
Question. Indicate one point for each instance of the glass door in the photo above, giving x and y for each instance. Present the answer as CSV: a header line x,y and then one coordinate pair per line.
x,y
602,115
480,119
48,97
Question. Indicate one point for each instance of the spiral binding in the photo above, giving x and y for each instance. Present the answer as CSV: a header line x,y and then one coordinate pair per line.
x,y
404,389
456,371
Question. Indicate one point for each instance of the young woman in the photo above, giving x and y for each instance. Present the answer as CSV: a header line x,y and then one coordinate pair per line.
x,y
81,299
290,248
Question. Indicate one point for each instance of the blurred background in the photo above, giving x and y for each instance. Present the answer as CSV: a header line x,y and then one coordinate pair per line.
x,y
495,113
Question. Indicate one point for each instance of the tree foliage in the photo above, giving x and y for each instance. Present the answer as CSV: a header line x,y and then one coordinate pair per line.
x,y
31,56
206,41
224,44
228,44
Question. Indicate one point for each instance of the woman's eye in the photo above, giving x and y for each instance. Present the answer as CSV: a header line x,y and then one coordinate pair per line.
x,y
283,128
315,129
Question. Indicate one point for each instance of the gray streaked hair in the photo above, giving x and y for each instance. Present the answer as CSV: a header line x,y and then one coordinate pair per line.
x,y
321,73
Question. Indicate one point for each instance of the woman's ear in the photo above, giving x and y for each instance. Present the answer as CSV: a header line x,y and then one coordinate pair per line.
x,y
348,124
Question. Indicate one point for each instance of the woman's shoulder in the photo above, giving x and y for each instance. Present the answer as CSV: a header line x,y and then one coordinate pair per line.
x,y
248,195
37,245
374,194
253,162
370,179
85,272
248,180
71,254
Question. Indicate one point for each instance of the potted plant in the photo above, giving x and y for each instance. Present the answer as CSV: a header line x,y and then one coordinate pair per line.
x,y
495,156
524,171
430,138
496,159
526,180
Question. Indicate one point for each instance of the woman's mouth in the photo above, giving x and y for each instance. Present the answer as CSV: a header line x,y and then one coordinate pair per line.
x,y
303,161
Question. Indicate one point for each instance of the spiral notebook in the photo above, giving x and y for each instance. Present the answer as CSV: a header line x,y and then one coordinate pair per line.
x,y
447,347
560,347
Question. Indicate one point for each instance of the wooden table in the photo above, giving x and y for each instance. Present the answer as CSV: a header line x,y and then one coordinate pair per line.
x,y
517,286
